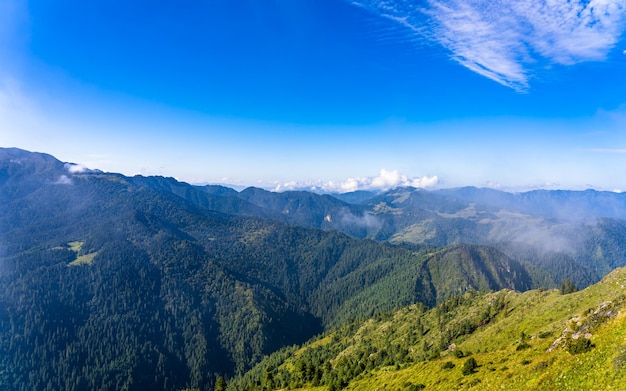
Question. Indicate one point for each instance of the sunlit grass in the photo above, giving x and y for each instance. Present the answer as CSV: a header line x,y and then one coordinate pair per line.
x,y
536,318
86,259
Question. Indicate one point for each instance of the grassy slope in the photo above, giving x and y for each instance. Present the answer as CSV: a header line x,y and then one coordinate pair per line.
x,y
85,259
541,315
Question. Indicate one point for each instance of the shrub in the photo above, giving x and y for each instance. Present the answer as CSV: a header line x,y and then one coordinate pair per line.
x,y
413,387
522,346
434,354
541,366
580,345
469,367
448,365
545,334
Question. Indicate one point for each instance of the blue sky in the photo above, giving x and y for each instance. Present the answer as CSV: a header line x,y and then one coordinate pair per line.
x,y
337,94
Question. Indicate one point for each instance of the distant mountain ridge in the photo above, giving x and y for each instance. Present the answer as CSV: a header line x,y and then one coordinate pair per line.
x,y
583,229
591,236
558,204
409,215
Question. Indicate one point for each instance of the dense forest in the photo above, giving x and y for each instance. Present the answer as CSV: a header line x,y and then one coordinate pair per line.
x,y
129,283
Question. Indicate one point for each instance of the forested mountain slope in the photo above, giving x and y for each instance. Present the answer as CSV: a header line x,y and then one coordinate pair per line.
x,y
505,340
568,234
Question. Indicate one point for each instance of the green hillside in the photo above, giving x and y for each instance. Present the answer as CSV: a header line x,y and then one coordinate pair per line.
x,y
539,339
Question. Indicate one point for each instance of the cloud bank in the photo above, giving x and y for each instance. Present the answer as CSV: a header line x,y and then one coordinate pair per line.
x,y
385,180
505,40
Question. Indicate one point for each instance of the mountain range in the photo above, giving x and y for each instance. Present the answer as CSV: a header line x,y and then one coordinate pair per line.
x,y
116,282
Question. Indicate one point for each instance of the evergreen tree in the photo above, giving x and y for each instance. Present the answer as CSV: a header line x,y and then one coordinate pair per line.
x,y
268,379
568,287
220,384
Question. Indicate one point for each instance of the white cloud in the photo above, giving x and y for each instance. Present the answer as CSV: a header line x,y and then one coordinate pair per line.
x,y
504,40
75,168
63,180
384,181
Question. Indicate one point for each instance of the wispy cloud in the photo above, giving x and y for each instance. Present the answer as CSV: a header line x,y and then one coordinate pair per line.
x,y
506,40
387,179
63,180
